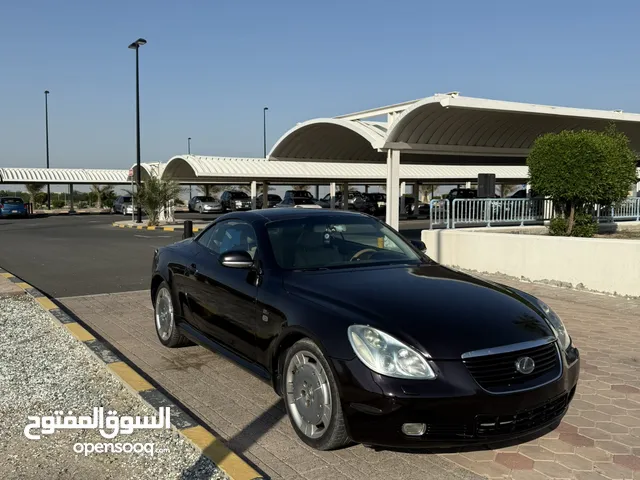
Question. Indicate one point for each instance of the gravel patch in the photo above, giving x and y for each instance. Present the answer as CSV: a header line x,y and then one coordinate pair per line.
x,y
43,369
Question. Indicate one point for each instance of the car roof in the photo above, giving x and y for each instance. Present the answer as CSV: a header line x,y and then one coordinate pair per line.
x,y
284,213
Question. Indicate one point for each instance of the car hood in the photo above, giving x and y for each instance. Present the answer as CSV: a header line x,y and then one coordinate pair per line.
x,y
436,309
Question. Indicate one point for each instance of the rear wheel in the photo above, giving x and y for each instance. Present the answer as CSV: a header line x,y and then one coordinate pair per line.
x,y
164,316
312,398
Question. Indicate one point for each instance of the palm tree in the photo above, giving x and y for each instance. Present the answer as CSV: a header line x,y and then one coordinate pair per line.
x,y
300,188
101,193
33,189
154,195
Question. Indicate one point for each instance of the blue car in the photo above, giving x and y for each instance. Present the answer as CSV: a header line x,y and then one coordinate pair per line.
x,y
12,207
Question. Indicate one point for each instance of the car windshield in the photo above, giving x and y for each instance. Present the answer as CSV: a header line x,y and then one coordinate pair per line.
x,y
11,201
207,199
274,197
301,194
336,241
126,199
238,195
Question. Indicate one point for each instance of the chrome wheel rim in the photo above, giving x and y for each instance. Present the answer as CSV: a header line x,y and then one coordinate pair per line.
x,y
308,394
164,314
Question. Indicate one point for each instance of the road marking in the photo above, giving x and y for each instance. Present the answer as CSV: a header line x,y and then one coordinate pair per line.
x,y
152,236
130,376
218,452
79,332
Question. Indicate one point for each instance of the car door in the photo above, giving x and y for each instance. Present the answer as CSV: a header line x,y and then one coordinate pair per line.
x,y
225,305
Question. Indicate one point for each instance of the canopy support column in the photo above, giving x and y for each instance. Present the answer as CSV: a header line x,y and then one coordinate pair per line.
x,y
403,202
265,195
345,196
393,189
254,193
467,185
71,209
317,192
332,195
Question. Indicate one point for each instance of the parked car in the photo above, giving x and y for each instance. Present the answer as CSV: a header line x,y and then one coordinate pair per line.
x,y
297,202
13,207
355,201
232,200
123,205
272,200
299,194
377,200
462,193
363,334
203,204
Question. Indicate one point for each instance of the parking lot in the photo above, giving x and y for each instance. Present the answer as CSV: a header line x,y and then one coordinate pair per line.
x,y
101,275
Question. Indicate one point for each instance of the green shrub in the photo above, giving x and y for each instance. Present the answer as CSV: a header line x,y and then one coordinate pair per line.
x,y
82,204
584,226
57,204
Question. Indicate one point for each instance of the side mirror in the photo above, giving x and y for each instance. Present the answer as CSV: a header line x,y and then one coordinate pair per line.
x,y
236,259
419,245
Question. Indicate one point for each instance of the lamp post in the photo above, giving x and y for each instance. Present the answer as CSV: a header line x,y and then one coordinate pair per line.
x,y
46,136
264,129
189,145
136,46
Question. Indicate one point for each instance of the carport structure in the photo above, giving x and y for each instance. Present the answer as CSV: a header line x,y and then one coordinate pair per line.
x,y
193,169
445,130
64,176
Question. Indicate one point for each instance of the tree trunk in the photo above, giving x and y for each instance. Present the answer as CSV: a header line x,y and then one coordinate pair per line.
x,y
99,201
572,218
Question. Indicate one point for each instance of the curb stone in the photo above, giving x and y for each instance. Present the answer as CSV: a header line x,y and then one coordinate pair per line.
x,y
209,446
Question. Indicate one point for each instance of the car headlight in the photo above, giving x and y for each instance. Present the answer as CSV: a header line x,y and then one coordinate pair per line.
x,y
238,202
386,355
564,340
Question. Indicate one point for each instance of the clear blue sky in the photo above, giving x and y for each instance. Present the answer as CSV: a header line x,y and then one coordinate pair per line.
x,y
211,65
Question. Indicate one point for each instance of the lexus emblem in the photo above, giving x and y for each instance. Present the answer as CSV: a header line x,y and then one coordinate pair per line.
x,y
525,365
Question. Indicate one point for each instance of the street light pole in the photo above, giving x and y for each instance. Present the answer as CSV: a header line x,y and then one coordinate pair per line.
x,y
189,145
136,46
46,136
264,126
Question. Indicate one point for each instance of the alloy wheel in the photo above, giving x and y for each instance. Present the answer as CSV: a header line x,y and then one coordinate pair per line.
x,y
164,314
308,394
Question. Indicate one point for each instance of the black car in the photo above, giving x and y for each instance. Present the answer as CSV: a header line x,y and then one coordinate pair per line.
x,y
232,200
364,336
272,200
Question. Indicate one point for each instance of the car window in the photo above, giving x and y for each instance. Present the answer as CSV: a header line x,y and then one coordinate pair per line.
x,y
230,235
330,241
238,195
11,201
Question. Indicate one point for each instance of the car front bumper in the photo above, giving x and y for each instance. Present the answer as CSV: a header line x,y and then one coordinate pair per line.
x,y
455,409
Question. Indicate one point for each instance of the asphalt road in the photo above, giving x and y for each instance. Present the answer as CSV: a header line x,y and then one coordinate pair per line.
x,y
84,255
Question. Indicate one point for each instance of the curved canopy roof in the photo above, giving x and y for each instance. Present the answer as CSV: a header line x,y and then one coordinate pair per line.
x,y
63,175
443,124
194,169
147,170
332,139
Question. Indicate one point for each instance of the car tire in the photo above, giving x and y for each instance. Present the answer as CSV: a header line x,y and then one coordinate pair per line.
x,y
164,319
304,366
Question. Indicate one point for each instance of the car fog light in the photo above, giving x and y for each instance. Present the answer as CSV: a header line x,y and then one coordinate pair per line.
x,y
414,429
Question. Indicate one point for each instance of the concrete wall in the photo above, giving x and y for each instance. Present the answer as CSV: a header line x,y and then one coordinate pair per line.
x,y
600,264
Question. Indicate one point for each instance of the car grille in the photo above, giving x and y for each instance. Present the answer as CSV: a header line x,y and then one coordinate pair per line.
x,y
497,373
488,425
495,425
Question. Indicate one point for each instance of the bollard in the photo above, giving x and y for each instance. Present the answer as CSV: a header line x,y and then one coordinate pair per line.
x,y
188,229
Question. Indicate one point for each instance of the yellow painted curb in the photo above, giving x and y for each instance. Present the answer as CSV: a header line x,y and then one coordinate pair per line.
x,y
219,454
46,303
130,377
151,228
6,275
23,285
79,332
169,229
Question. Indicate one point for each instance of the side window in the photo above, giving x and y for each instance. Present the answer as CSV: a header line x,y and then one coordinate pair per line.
x,y
230,235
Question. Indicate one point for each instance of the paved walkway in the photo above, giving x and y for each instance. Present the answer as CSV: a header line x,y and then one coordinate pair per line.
x,y
599,438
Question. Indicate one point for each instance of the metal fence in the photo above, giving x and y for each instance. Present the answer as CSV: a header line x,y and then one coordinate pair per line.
x,y
515,211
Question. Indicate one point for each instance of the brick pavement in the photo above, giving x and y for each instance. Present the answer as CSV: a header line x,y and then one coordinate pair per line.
x,y
598,439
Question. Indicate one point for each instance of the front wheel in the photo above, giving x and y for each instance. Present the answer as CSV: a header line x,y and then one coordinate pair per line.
x,y
312,398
